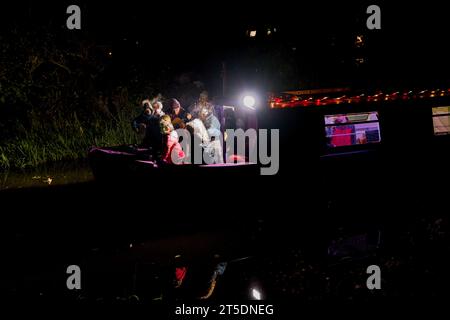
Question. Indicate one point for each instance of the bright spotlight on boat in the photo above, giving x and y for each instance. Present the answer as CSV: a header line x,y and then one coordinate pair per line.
x,y
249,102
256,294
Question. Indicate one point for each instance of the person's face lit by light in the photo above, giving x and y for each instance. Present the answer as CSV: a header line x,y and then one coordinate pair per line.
x,y
157,108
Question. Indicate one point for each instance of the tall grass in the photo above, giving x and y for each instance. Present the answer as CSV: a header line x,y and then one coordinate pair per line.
x,y
63,138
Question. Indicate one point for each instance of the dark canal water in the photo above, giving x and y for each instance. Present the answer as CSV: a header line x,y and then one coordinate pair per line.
x,y
55,174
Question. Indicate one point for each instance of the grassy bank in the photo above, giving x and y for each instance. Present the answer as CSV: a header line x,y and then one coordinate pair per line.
x,y
63,138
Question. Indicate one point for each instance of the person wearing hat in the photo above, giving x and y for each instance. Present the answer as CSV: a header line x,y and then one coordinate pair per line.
x,y
178,115
201,104
157,109
141,122
147,126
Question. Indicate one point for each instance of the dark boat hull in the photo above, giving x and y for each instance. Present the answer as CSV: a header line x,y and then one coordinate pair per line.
x,y
125,162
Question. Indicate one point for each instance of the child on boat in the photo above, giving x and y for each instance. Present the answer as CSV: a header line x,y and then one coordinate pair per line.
x,y
172,151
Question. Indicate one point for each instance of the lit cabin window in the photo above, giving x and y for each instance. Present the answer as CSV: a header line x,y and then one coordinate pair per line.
x,y
441,121
344,130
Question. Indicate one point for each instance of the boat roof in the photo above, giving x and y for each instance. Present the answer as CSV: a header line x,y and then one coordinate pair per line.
x,y
336,96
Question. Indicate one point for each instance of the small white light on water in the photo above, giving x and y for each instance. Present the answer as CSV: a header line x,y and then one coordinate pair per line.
x,y
256,294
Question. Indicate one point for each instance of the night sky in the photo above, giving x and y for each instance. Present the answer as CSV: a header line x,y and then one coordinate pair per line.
x,y
315,38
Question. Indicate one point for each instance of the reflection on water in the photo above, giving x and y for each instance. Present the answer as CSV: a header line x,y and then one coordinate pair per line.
x,y
55,174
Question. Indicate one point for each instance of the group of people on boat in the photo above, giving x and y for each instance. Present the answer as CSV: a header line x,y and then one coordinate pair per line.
x,y
158,126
